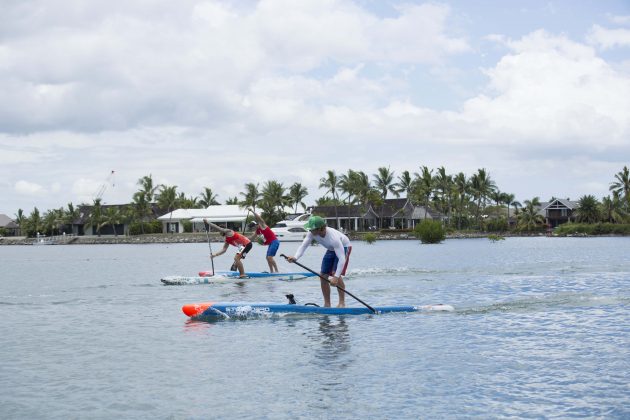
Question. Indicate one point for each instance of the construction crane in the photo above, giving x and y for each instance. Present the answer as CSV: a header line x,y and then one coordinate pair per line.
x,y
109,181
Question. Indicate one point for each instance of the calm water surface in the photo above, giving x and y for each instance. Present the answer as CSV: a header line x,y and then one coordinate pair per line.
x,y
541,330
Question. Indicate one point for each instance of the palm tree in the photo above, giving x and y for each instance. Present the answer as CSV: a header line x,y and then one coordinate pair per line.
x,y
95,219
184,202
297,193
509,200
444,185
331,183
384,183
141,207
207,198
405,184
423,187
167,197
273,201
462,188
148,189
51,221
71,215
588,209
482,186
112,216
622,184
612,209
34,222
529,218
21,220
251,196
232,201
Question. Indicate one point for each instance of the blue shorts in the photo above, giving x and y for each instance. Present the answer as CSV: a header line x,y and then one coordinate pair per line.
x,y
273,248
330,260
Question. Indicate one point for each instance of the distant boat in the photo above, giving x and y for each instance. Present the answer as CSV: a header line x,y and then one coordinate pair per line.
x,y
291,230
53,240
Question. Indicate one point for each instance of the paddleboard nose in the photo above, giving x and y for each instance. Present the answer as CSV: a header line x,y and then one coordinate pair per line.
x,y
194,309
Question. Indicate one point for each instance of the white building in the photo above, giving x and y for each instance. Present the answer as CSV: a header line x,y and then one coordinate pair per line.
x,y
230,216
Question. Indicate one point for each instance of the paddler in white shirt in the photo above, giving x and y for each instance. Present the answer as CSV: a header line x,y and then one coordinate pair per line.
x,y
335,259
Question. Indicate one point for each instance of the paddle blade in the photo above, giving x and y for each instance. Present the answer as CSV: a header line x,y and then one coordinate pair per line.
x,y
194,309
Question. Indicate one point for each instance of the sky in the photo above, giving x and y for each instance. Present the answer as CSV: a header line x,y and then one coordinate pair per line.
x,y
222,93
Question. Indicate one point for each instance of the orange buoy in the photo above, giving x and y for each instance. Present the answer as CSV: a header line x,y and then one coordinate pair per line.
x,y
194,309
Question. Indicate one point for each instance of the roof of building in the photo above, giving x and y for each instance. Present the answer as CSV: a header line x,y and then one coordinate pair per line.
x,y
7,222
219,213
344,211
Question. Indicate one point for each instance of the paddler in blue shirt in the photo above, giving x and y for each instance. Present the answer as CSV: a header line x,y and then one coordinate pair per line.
x,y
269,240
335,259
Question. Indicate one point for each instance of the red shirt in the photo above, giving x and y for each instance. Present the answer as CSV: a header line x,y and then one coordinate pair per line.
x,y
237,239
267,233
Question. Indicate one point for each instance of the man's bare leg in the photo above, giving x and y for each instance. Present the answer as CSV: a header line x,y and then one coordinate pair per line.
x,y
325,290
342,295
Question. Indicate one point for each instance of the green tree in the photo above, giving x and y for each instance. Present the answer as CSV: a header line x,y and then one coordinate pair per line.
x,y
232,201
95,219
462,189
147,187
167,197
142,208
251,196
588,209
613,209
111,216
482,186
208,198
297,193
21,220
331,184
70,215
423,187
384,183
445,189
622,186
34,223
405,184
430,231
529,219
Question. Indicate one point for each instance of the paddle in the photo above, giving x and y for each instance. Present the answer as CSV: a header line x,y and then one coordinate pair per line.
x,y
329,282
209,246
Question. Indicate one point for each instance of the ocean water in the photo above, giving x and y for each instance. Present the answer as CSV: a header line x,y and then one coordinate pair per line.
x,y
541,329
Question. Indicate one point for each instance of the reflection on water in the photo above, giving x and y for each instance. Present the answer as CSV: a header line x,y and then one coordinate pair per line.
x,y
334,341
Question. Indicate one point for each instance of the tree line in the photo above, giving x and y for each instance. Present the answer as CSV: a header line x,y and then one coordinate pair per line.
x,y
466,202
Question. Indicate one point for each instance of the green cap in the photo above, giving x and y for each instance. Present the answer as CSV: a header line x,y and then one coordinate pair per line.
x,y
314,222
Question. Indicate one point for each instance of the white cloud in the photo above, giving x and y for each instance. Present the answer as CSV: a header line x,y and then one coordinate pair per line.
x,y
28,188
555,93
217,94
620,20
94,68
607,39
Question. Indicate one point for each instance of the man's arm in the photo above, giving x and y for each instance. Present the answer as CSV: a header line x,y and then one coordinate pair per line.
x,y
259,219
300,251
215,227
225,247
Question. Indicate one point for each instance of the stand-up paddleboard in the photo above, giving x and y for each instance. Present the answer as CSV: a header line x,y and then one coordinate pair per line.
x,y
230,277
256,274
226,310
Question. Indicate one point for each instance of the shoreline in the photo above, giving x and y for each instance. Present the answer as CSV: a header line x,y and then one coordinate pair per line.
x,y
215,238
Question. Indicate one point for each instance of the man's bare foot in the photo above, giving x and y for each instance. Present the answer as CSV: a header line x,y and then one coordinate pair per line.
x,y
341,305
242,276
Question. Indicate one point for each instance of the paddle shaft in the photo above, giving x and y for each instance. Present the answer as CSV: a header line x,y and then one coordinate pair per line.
x,y
209,246
329,282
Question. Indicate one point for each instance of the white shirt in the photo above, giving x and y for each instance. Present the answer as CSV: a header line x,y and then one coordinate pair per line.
x,y
333,240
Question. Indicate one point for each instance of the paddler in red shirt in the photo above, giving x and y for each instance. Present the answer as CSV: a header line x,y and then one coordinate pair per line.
x,y
237,240
270,240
